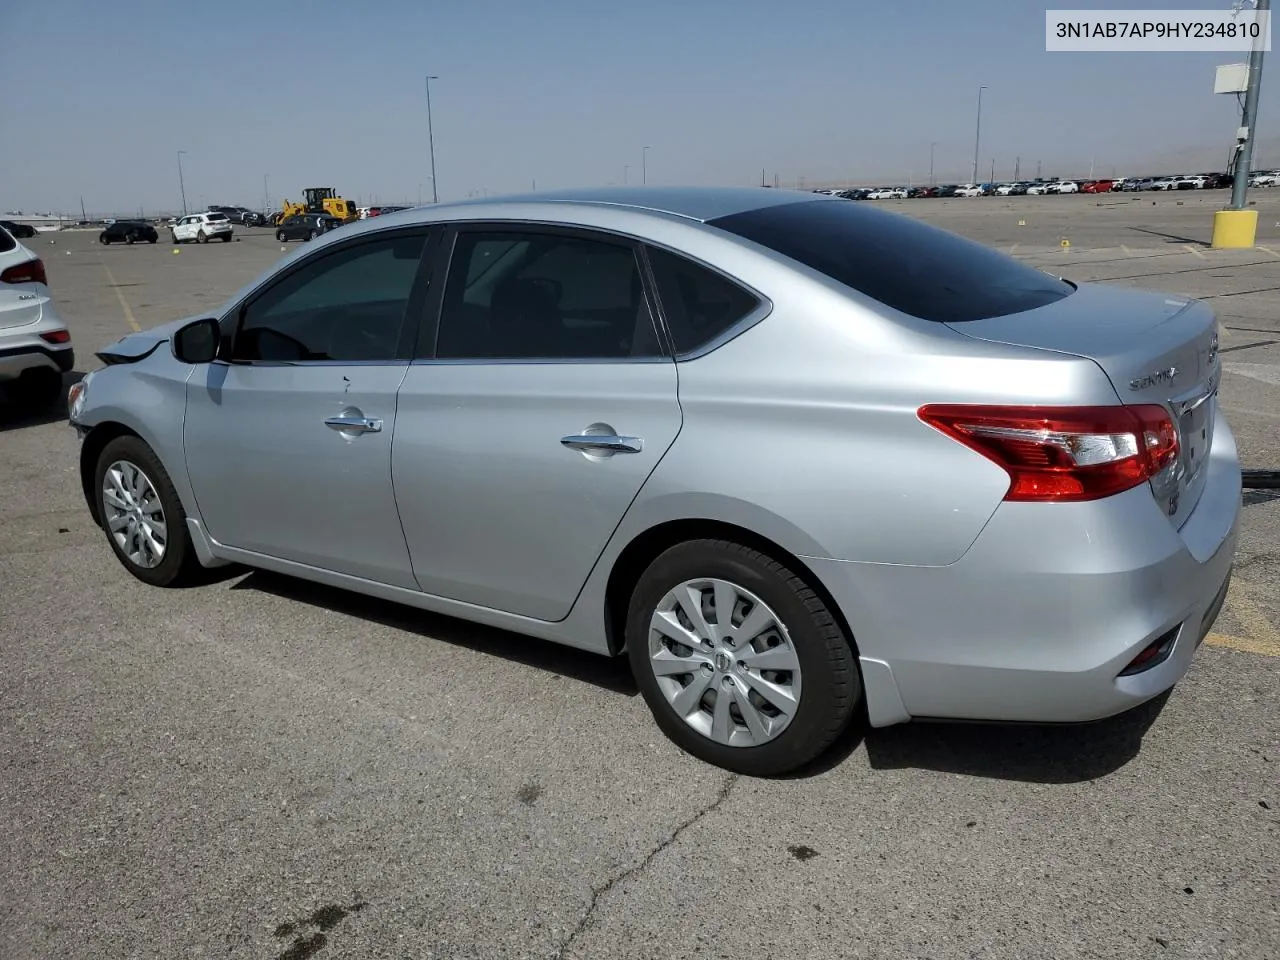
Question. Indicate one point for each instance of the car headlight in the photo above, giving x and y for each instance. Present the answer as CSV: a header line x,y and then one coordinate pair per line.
x,y
77,395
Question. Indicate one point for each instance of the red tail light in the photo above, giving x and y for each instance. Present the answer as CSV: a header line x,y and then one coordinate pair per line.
x,y
56,336
1063,453
30,272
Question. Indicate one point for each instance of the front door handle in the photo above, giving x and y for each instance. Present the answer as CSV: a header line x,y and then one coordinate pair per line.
x,y
354,424
603,443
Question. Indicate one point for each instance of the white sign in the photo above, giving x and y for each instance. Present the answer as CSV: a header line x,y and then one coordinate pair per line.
x,y
1156,31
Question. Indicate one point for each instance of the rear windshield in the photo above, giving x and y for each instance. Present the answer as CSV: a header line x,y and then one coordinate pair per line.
x,y
217,216
907,265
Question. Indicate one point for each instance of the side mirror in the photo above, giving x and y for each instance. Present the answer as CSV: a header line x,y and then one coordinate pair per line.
x,y
197,342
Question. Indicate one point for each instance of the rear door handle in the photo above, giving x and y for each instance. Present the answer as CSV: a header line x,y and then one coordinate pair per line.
x,y
602,443
354,424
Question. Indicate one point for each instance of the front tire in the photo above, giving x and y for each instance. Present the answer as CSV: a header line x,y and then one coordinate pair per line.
x,y
141,514
280,236
741,663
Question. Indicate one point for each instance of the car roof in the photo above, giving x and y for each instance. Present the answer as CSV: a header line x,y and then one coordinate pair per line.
x,y
694,203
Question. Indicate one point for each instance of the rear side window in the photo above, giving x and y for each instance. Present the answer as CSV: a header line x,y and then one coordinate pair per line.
x,y
699,304
907,265
7,242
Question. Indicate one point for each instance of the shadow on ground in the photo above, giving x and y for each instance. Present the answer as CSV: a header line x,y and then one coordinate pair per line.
x,y
610,674
1032,754
16,415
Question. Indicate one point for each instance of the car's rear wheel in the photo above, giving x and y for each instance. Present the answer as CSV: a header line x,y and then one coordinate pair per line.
x,y
740,661
202,237
280,235
128,239
152,239
226,238
313,234
141,514
103,240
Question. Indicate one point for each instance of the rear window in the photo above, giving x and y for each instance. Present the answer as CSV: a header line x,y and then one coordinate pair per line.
x,y
907,265
217,216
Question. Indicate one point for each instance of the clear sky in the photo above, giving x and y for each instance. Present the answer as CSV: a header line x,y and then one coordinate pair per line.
x,y
101,94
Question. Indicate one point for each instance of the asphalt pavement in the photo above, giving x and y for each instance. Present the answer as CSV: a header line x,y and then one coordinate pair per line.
x,y
261,768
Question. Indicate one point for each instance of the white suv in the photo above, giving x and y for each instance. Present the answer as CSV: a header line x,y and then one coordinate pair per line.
x,y
202,227
35,347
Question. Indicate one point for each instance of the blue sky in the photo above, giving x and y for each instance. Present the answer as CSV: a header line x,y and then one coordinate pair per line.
x,y
102,95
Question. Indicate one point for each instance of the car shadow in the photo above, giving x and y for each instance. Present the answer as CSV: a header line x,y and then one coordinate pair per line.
x,y
1170,237
16,415
1042,753
608,673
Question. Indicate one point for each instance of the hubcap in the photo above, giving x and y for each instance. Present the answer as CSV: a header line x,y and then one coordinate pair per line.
x,y
134,516
725,662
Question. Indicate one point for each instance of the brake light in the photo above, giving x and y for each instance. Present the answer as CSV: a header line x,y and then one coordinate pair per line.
x,y
56,336
1063,453
32,271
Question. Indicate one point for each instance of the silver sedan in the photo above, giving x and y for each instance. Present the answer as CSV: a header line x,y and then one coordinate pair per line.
x,y
798,459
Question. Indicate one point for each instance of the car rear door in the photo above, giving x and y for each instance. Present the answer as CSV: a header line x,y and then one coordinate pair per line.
x,y
288,435
537,409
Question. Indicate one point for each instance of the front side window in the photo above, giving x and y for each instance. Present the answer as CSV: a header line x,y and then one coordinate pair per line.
x,y
544,296
348,305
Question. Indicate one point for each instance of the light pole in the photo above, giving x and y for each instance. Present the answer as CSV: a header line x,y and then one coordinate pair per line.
x,y
977,135
266,195
931,146
644,165
625,168
1250,116
431,143
181,185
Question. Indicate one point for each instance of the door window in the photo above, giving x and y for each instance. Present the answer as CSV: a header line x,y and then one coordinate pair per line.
x,y
525,295
348,305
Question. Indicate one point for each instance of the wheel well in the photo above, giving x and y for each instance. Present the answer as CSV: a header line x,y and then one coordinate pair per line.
x,y
644,549
91,447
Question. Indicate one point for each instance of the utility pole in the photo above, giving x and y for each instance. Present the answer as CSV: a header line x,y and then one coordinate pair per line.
x,y
993,170
431,143
644,165
181,185
83,215
977,135
1037,169
266,195
1250,118
1017,164
931,146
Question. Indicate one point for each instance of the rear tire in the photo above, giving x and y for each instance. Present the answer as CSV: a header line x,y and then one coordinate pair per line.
x,y
226,238
104,241
202,237
313,235
143,513
790,635
280,236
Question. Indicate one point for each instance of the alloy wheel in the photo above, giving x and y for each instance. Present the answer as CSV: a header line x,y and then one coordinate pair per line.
x,y
133,514
725,662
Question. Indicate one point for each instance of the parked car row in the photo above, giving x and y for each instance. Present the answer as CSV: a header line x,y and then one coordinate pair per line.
x,y
1015,188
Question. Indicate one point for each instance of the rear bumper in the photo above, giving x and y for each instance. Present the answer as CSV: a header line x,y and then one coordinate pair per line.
x,y
15,361
1037,620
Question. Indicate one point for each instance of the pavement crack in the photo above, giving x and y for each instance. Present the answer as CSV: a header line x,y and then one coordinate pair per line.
x,y
597,892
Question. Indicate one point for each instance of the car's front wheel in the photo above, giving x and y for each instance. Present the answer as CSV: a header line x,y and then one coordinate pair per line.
x,y
740,661
141,514
280,235
102,239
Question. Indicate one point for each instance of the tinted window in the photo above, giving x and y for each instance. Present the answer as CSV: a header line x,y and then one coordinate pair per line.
x,y
347,305
698,303
531,296
7,242
903,263
217,216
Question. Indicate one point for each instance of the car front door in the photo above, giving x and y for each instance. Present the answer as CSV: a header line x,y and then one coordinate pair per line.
x,y
523,437
288,434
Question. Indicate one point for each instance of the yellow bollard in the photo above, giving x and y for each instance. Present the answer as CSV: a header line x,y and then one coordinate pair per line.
x,y
1234,228
1065,243
176,250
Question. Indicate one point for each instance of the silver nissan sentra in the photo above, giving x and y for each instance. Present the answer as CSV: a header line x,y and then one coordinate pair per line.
x,y
794,457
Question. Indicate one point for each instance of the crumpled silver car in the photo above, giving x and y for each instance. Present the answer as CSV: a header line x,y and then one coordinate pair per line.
x,y
793,456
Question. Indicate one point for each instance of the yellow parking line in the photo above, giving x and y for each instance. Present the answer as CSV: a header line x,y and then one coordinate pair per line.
x,y
128,314
1191,249
1264,647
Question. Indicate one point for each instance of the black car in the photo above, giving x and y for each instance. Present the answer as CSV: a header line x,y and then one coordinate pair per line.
x,y
128,231
305,226
19,231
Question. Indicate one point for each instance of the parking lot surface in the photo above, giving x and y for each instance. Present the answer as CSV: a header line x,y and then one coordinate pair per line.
x,y
260,768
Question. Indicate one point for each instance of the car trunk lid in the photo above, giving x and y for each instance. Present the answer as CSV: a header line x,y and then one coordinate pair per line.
x,y
1153,348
